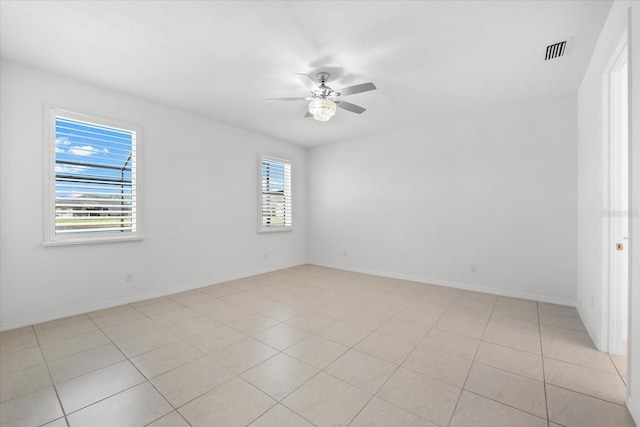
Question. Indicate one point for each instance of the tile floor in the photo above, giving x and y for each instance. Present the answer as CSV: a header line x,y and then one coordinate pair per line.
x,y
313,346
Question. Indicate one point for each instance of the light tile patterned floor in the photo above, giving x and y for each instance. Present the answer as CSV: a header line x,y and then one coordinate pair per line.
x,y
313,346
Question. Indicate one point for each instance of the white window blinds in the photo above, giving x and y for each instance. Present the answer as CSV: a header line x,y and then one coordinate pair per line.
x,y
275,194
95,178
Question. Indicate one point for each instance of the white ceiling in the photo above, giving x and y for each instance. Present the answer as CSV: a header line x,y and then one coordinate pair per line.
x,y
430,60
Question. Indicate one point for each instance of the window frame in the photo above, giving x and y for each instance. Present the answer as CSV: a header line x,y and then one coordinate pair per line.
x,y
271,228
49,207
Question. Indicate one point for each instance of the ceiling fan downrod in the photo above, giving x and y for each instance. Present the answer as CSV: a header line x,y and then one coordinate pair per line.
x,y
322,77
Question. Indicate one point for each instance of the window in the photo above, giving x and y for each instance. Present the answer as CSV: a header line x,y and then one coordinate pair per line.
x,y
93,179
274,205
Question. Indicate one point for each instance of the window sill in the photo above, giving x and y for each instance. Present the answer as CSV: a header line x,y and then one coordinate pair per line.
x,y
274,230
88,241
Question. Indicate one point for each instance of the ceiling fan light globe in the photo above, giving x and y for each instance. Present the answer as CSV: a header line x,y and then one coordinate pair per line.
x,y
322,109
322,117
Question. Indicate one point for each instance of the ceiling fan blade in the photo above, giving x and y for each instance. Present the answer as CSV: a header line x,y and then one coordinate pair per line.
x,y
288,99
306,80
351,90
308,114
350,107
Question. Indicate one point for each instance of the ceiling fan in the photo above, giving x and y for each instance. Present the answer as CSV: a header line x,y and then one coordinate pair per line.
x,y
324,100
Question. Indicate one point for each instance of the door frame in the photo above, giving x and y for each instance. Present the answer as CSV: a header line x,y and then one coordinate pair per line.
x,y
611,316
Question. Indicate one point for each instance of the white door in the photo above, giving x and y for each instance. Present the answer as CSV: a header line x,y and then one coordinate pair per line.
x,y
618,202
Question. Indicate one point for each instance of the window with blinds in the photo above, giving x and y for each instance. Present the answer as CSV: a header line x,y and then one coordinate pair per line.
x,y
94,179
274,213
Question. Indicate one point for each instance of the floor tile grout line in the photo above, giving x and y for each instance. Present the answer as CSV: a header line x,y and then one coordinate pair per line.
x,y
281,401
391,375
165,415
60,325
135,367
259,416
148,380
205,354
3,338
177,409
398,366
63,326
544,374
617,374
104,398
589,396
53,384
475,362
342,354
24,367
375,394
565,388
99,328
462,388
622,377
511,348
506,404
504,370
503,403
92,370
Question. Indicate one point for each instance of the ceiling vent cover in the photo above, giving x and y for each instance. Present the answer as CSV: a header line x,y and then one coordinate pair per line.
x,y
556,50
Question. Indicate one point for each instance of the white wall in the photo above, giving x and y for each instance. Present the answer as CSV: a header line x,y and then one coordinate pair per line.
x,y
591,283
496,189
200,181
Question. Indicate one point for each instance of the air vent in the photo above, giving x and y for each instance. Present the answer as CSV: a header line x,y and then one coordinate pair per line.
x,y
556,50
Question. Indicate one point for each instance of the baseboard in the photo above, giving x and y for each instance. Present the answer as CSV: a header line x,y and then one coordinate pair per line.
x,y
457,285
633,405
136,298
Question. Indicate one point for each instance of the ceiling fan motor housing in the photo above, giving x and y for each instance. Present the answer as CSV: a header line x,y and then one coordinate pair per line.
x,y
322,77
323,90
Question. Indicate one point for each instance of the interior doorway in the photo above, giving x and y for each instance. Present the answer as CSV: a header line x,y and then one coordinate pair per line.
x,y
617,202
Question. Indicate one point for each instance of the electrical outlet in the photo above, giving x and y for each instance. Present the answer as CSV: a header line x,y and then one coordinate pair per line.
x,y
128,277
266,255
473,268
593,303
345,254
